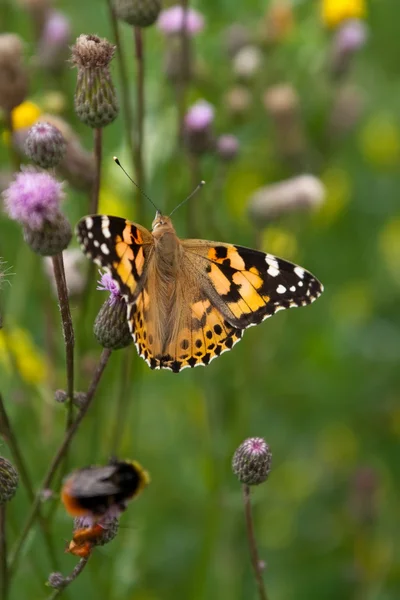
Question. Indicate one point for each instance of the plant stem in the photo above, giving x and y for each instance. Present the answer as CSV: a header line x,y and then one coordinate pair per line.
x,y
139,56
68,329
58,457
185,66
98,151
125,89
77,571
14,158
3,554
191,211
122,403
255,559
8,434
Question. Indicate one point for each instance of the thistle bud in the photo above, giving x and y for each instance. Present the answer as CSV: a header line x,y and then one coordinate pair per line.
x,y
251,462
56,580
8,480
96,102
45,145
111,327
13,75
110,526
140,13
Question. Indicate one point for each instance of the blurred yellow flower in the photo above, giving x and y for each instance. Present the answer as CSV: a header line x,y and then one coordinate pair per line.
x,y
25,115
279,241
334,12
29,361
380,141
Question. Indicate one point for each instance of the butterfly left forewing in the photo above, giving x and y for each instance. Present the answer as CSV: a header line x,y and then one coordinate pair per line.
x,y
120,247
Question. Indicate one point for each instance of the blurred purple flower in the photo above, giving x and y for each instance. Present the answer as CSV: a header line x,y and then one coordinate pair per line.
x,y
173,19
351,36
33,198
54,41
107,284
199,116
227,146
57,29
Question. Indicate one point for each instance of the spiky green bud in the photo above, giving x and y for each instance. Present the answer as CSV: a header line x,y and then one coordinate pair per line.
x,y
8,480
251,462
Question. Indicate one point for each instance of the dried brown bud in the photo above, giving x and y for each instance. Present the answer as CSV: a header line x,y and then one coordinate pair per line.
x,y
13,75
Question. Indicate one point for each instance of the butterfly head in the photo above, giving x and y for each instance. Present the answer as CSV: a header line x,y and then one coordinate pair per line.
x,y
161,225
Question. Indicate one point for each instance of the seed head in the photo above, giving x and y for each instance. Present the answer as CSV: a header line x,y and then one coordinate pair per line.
x,y
251,462
8,480
45,145
139,13
96,102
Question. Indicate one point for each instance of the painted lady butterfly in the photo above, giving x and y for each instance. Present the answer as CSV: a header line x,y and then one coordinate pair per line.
x,y
190,300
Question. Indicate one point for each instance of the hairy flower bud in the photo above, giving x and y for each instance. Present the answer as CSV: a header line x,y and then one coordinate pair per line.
x,y
111,327
45,145
251,462
96,101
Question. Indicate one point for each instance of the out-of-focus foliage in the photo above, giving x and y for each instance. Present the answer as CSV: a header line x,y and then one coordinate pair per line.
x,y
320,384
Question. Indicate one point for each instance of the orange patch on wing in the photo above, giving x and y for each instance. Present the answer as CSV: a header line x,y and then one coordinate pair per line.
x,y
220,282
139,261
251,297
236,261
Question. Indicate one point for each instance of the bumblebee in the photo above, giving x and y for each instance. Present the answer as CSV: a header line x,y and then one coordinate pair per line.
x,y
97,492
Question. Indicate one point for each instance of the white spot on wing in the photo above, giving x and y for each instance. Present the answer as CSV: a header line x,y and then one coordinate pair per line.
x,y
105,226
271,261
274,272
293,288
89,222
281,289
299,272
104,249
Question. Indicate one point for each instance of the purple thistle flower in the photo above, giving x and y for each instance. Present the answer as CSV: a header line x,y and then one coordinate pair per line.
x,y
172,20
352,36
199,116
56,30
107,284
33,198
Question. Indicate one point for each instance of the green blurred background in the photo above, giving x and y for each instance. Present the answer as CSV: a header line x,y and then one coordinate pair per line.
x,y
321,385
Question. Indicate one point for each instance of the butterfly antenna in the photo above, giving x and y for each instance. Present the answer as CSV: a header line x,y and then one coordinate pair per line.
x,y
190,196
134,183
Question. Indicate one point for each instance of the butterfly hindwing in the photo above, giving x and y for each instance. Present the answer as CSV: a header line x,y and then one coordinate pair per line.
x,y
203,335
118,246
